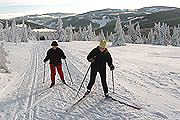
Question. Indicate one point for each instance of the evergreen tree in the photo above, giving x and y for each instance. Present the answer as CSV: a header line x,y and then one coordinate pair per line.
x,y
151,37
131,38
3,60
29,33
101,36
1,32
162,34
90,33
119,39
111,37
69,34
61,35
176,36
24,37
14,35
138,38
7,35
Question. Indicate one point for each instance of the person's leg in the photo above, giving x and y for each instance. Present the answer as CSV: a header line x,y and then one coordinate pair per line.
x,y
53,73
92,78
59,69
103,80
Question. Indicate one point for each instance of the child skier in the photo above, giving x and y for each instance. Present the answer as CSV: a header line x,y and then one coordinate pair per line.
x,y
55,54
98,57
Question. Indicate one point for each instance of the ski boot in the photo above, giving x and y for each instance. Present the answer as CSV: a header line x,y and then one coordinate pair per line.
x,y
52,84
64,81
87,92
107,96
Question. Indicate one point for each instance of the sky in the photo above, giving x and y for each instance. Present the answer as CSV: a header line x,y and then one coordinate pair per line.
x,y
13,8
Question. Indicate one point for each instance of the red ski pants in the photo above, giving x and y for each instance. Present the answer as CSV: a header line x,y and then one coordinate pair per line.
x,y
53,72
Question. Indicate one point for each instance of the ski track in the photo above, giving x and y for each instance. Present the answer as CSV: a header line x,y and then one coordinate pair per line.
x,y
33,100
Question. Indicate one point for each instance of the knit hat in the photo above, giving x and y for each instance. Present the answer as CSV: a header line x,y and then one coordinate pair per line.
x,y
54,43
103,44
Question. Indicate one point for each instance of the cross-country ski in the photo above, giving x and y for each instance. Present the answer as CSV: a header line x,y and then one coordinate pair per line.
x,y
79,101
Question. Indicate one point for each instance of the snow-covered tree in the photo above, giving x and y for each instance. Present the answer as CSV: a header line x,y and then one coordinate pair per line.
x,y
80,34
151,37
110,38
1,26
24,36
61,34
119,35
6,33
131,37
3,60
162,34
84,34
14,34
30,33
176,36
101,36
1,31
138,37
69,34
90,33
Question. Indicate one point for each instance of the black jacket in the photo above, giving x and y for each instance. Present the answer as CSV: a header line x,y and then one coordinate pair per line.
x,y
101,58
55,56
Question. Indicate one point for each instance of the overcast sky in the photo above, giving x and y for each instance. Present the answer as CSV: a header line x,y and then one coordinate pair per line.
x,y
10,8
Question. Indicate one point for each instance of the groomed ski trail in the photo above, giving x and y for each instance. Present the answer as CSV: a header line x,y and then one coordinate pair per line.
x,y
32,100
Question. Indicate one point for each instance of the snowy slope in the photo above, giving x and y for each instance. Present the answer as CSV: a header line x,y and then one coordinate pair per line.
x,y
145,76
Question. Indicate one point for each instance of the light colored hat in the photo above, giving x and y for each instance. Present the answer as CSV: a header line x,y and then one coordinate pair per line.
x,y
103,44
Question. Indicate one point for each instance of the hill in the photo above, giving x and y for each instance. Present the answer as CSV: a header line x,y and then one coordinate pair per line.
x,y
33,25
171,17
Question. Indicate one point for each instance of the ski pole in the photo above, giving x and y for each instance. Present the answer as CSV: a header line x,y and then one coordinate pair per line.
x,y
83,81
44,73
113,80
68,71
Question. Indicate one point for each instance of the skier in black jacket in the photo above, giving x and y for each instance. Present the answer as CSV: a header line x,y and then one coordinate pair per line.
x,y
98,57
55,54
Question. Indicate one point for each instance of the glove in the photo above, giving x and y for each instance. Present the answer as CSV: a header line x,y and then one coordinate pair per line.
x,y
64,57
112,67
44,61
91,60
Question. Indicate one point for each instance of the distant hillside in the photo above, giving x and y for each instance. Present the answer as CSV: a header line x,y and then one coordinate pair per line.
x,y
43,18
105,17
171,17
33,25
154,9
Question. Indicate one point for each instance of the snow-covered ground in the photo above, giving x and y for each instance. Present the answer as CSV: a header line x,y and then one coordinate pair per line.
x,y
146,76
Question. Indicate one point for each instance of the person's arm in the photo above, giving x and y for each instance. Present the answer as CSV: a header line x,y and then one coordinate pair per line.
x,y
109,61
47,56
63,55
91,56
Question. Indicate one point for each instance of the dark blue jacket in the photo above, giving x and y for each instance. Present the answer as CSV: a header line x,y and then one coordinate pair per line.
x,y
101,58
55,56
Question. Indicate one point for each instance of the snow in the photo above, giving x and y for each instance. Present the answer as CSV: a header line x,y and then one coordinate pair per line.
x,y
102,22
146,76
44,30
51,24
